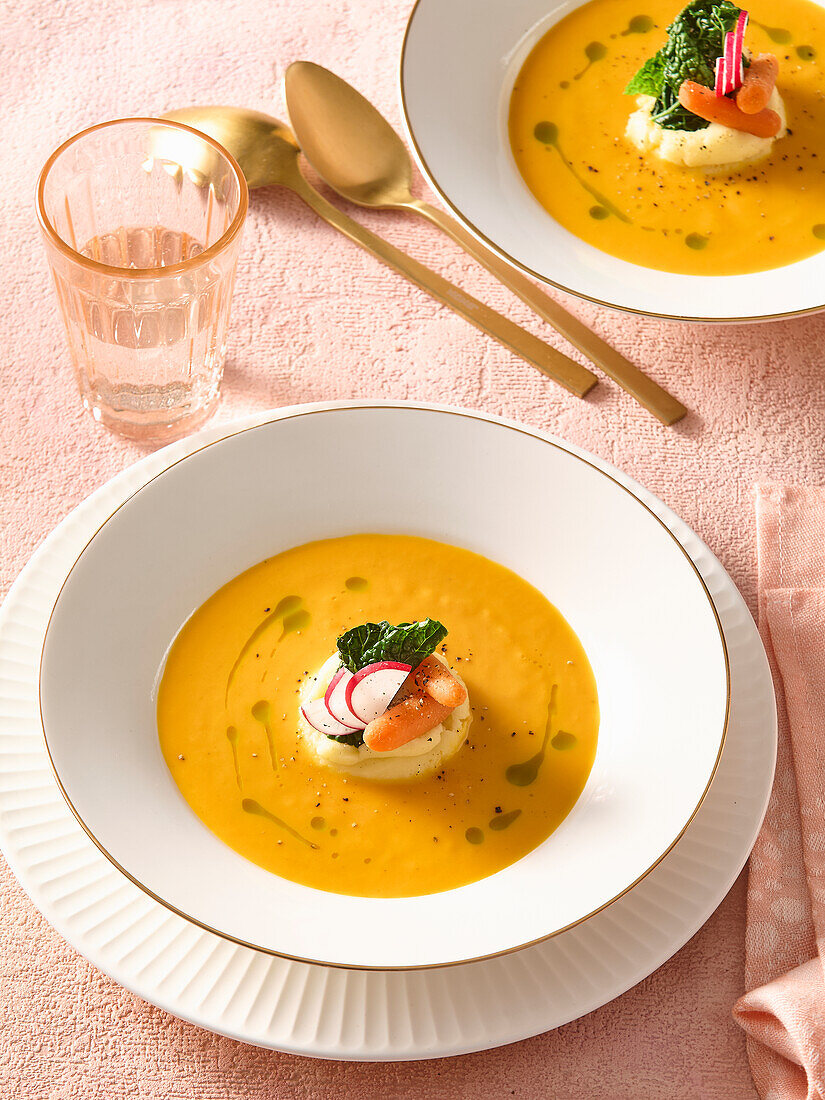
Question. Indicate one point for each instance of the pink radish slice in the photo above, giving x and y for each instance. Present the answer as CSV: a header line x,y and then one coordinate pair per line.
x,y
738,48
721,77
730,79
316,713
336,700
372,689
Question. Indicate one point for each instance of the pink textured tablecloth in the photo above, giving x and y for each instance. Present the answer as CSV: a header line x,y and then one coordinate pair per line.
x,y
316,318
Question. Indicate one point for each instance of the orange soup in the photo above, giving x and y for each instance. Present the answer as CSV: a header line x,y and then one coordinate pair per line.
x,y
567,122
229,728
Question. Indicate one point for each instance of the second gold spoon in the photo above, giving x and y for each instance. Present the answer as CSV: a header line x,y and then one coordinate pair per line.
x,y
268,153
353,147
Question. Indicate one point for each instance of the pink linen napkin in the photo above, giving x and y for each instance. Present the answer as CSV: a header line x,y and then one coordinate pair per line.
x,y
784,1013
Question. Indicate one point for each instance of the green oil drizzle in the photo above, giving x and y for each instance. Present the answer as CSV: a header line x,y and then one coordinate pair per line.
x,y
819,232
293,624
599,213
639,24
318,823
806,53
564,740
696,241
593,51
522,775
232,738
474,836
776,34
564,84
357,584
548,134
250,806
287,606
502,821
262,712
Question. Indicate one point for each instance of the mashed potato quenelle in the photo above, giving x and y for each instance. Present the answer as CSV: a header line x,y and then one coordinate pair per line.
x,y
684,141
464,745
715,149
419,757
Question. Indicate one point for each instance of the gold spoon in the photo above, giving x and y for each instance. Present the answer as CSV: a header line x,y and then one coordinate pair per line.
x,y
267,153
353,147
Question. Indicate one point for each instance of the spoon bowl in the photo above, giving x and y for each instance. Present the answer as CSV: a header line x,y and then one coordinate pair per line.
x,y
267,152
349,143
353,147
264,147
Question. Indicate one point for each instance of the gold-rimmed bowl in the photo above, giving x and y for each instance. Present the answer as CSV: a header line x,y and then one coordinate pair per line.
x,y
543,509
457,75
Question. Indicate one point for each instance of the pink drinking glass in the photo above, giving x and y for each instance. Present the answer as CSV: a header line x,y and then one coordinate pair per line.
x,y
142,223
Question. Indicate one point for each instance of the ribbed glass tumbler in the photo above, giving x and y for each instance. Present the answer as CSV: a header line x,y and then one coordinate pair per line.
x,y
142,222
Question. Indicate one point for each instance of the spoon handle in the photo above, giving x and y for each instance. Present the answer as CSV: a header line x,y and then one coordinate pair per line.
x,y
568,373
647,392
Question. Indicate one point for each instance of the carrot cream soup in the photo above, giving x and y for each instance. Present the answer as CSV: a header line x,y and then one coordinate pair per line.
x,y
379,715
689,142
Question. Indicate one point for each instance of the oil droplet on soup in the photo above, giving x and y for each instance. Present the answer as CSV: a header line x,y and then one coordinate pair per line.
x,y
250,806
391,839
357,584
503,821
285,607
295,621
570,147
563,740
232,738
548,134
593,51
639,24
696,241
262,712
779,35
522,775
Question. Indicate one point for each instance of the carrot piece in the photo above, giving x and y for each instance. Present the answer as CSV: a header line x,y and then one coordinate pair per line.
x,y
414,716
759,82
438,682
706,104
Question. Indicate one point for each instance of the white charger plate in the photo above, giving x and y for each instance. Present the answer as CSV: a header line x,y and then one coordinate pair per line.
x,y
339,1013
612,568
458,66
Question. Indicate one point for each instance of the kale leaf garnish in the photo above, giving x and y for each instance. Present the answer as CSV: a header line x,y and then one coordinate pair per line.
x,y
407,643
696,38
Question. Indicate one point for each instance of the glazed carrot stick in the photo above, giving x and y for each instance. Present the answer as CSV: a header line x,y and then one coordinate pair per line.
x,y
414,716
758,84
437,681
706,104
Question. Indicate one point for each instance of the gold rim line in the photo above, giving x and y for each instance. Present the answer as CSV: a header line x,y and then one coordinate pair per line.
x,y
443,411
208,254
504,255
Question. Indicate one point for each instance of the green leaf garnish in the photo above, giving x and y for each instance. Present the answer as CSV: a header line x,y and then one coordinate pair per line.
x,y
648,80
696,38
407,643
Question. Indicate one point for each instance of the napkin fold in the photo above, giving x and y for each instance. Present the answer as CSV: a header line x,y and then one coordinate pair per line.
x,y
783,1014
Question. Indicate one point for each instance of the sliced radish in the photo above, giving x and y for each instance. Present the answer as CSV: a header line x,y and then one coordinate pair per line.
x,y
372,689
721,77
316,713
730,78
336,700
738,49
